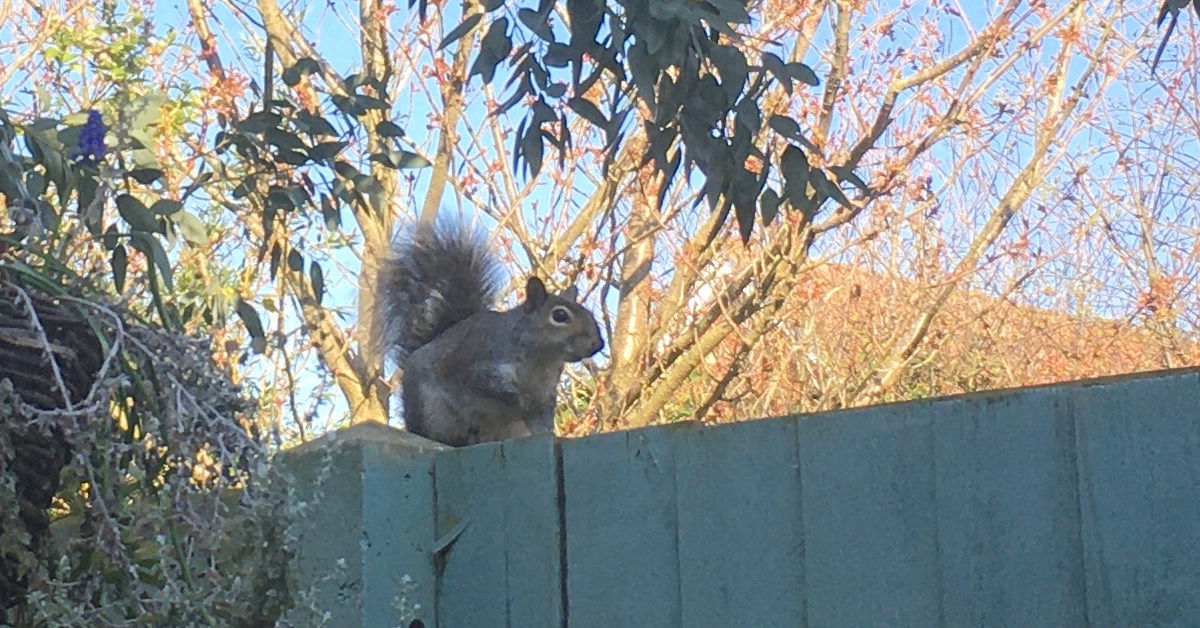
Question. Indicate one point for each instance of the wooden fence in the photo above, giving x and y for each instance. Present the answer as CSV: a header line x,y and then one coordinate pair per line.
x,y
1066,505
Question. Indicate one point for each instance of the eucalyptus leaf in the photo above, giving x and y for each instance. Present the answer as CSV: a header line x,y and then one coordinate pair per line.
x,y
165,206
461,30
250,319
135,213
387,128
120,262
190,228
317,277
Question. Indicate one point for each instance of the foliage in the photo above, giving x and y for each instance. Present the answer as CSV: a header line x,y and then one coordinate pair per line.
x,y
954,146
167,508
685,67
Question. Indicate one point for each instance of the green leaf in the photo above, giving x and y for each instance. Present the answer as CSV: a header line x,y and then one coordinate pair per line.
x,y
136,214
313,124
536,22
165,206
387,128
301,68
400,159
317,277
532,149
110,238
260,122
807,144
154,252
349,105
190,228
588,110
120,260
803,73
344,169
749,116
847,174
769,205
284,139
734,69
495,47
49,215
645,69
822,184
367,184
743,192
784,126
557,56
794,165
744,212
291,157
295,261
459,31
35,183
145,159
280,199
371,102
250,319
331,212
586,17
273,265
732,11
245,187
145,111
773,64
326,150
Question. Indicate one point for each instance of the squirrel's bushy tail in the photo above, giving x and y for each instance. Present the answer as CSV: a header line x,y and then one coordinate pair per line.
x,y
435,278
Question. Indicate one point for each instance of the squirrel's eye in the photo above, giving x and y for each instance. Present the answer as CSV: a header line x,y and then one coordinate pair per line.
x,y
561,315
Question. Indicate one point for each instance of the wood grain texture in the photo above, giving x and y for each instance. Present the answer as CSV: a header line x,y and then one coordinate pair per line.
x,y
497,517
622,532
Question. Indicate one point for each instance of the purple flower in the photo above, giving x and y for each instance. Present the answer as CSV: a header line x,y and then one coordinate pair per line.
x,y
91,140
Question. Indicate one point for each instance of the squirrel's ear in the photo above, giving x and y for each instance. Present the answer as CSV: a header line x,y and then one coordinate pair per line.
x,y
570,294
535,293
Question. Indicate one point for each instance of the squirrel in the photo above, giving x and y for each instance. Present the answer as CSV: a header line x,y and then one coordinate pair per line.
x,y
472,374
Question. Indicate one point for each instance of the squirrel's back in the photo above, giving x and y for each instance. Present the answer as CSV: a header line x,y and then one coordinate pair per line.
x,y
435,278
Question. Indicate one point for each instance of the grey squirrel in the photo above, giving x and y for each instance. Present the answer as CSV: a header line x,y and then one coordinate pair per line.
x,y
472,374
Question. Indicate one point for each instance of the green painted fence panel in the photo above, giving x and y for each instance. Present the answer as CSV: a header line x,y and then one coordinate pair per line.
x,y
622,539
368,490
741,550
498,541
471,584
1069,505
870,525
534,544
1139,472
1008,517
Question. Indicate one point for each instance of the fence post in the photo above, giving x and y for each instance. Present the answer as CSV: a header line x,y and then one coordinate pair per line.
x,y
367,526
